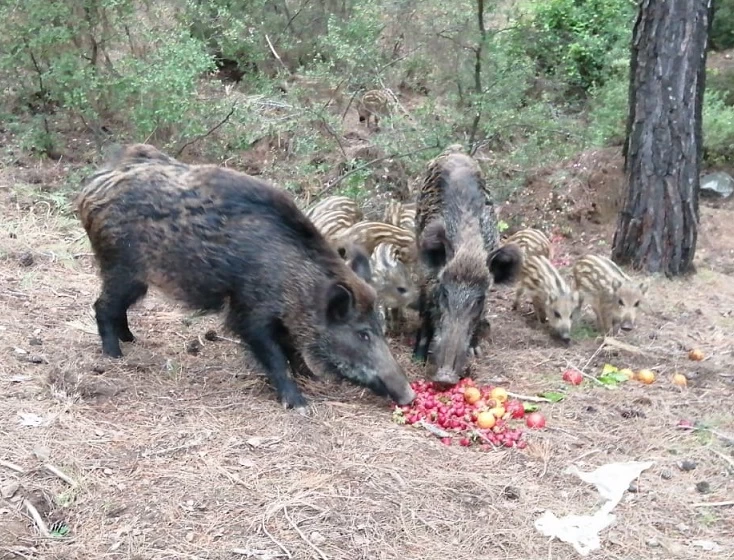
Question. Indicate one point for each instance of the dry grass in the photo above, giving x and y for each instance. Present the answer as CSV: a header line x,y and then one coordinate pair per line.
x,y
179,456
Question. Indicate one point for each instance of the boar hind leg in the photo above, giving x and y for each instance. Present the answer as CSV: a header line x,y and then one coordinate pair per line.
x,y
118,294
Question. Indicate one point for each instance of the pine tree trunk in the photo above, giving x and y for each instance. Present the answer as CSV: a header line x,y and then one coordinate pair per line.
x,y
658,226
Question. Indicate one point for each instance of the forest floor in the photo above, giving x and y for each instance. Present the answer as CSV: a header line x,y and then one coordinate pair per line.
x,y
173,454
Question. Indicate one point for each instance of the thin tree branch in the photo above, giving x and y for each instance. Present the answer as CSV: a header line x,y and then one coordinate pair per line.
x,y
208,133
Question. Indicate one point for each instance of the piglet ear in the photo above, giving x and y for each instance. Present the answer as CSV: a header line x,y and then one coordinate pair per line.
x,y
339,303
434,246
644,286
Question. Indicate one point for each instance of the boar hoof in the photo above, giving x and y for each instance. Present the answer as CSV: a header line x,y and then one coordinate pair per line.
x,y
476,352
291,398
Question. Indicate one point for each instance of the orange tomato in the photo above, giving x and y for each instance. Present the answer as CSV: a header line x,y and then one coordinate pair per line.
x,y
645,376
472,395
499,394
680,380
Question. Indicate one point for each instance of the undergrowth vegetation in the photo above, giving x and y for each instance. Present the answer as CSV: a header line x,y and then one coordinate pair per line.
x,y
519,83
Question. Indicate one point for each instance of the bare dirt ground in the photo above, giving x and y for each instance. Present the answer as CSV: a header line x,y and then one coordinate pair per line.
x,y
180,449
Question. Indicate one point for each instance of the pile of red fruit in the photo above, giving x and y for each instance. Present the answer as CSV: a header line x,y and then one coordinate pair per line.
x,y
476,415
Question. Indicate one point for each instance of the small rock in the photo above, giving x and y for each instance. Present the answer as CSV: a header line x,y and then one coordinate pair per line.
x,y
317,538
633,488
211,335
98,369
653,542
25,259
703,487
190,536
682,527
35,341
687,465
9,490
107,471
36,359
511,493
718,185
666,474
193,347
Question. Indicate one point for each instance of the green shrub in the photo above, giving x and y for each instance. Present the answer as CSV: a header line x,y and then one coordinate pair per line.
x,y
722,26
576,42
718,129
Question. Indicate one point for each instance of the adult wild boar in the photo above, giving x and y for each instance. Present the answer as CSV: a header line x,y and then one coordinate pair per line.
x,y
457,240
213,237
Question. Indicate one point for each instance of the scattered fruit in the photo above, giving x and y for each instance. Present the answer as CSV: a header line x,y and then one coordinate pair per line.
x,y
497,411
472,395
486,420
498,394
515,409
573,377
535,420
696,355
680,380
466,414
628,372
645,376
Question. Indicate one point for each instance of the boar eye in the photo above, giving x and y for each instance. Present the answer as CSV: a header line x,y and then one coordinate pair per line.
x,y
401,290
637,303
621,303
558,315
364,335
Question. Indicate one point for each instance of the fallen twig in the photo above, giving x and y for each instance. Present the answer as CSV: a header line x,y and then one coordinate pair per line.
x,y
609,341
63,476
714,504
306,540
11,466
436,431
38,520
586,375
275,54
528,398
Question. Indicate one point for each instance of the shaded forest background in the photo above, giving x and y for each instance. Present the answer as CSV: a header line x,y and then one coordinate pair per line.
x,y
269,86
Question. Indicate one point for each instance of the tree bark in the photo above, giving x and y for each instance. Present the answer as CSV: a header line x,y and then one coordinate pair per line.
x,y
657,228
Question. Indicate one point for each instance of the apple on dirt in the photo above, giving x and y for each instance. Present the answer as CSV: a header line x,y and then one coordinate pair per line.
x,y
628,372
573,376
680,380
696,355
535,420
645,376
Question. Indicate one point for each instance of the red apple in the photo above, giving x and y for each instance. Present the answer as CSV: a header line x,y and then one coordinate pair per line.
x,y
573,377
515,408
535,420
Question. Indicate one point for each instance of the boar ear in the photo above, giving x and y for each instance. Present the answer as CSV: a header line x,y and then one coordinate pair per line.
x,y
339,302
434,247
361,264
644,287
504,263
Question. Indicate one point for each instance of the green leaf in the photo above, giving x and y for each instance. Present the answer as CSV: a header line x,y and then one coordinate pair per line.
x,y
553,397
612,378
530,407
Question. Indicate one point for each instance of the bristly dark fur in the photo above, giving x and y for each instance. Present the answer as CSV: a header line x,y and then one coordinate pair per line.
x,y
211,236
457,240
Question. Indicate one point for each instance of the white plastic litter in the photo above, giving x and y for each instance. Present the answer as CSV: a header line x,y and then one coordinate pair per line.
x,y
582,531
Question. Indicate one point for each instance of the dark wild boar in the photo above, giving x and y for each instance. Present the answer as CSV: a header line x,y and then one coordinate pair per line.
x,y
459,258
213,237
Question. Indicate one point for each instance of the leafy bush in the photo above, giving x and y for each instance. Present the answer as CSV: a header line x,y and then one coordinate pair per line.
x,y
722,26
576,42
718,129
